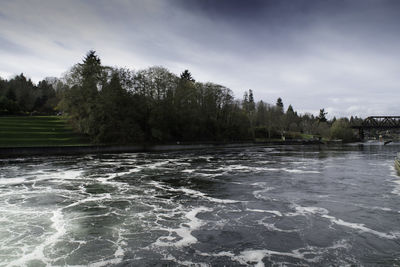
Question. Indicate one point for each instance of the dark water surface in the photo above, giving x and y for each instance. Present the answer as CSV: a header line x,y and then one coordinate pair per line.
x,y
300,205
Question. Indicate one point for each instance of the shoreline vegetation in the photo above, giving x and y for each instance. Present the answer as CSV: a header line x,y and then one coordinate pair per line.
x,y
52,135
94,105
106,149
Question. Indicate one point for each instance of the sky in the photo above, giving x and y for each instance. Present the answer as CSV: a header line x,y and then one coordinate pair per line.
x,y
340,55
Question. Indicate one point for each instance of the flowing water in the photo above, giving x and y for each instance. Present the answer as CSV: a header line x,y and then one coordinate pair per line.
x,y
294,206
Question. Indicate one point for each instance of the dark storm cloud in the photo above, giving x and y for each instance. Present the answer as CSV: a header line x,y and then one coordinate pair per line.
x,y
225,9
341,55
340,52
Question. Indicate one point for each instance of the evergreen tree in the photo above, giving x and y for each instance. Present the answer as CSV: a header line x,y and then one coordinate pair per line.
x,y
80,100
186,75
252,105
290,110
246,101
322,115
279,104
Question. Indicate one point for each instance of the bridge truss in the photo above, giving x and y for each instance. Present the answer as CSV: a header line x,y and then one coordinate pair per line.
x,y
378,123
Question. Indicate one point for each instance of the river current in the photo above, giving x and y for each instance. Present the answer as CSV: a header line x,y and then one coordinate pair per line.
x,y
257,206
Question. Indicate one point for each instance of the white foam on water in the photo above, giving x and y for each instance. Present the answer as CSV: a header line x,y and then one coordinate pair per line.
x,y
298,171
69,174
194,223
192,193
310,254
207,158
263,169
11,181
259,194
394,173
152,166
361,227
357,226
341,244
210,175
188,170
396,189
255,257
236,168
99,197
374,207
396,181
58,224
308,210
100,263
169,257
265,162
58,175
119,252
261,184
272,227
112,176
277,213
184,231
42,175
157,164
179,163
11,211
118,256
298,162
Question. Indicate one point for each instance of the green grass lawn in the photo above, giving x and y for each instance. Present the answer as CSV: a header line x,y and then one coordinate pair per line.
x,y
307,136
38,131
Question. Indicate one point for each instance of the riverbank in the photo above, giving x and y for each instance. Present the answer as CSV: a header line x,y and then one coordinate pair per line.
x,y
52,135
71,150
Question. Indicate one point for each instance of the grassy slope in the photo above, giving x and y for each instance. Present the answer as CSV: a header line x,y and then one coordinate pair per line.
x,y
38,131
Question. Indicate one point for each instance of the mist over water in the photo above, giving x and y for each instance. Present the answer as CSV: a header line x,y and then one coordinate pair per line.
x,y
262,206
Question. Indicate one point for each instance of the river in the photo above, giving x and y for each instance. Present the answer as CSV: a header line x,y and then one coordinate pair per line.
x,y
259,206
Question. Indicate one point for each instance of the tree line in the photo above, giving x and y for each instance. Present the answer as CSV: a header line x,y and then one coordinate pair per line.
x,y
118,105
20,96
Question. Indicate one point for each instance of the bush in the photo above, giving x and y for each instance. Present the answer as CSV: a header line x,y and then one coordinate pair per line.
x,y
341,130
262,132
293,135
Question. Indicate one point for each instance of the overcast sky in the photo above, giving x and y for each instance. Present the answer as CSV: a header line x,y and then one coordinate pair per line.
x,y
340,55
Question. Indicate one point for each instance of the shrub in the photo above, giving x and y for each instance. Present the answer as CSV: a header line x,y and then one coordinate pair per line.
x,y
341,130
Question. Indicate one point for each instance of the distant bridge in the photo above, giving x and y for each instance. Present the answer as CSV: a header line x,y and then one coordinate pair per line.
x,y
379,123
